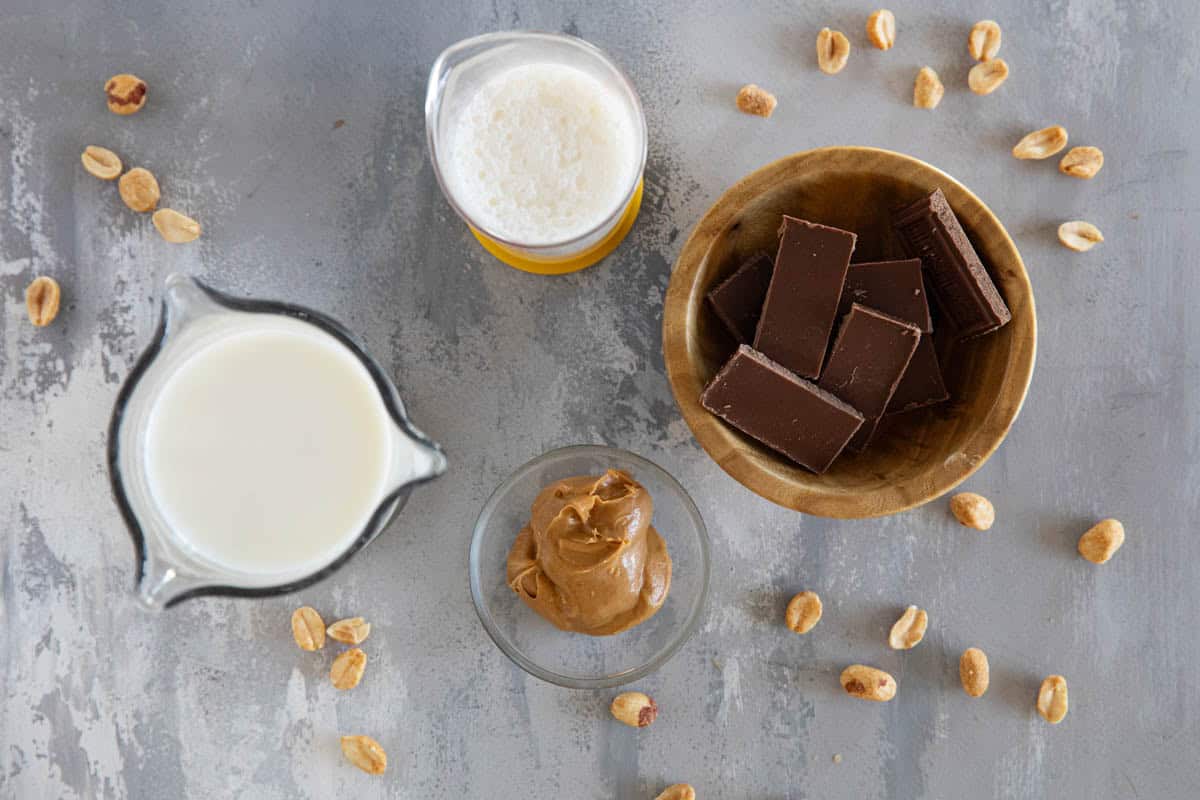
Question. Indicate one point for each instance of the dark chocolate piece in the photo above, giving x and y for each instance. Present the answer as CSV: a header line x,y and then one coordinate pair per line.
x,y
893,287
968,299
738,300
868,358
786,413
922,384
802,301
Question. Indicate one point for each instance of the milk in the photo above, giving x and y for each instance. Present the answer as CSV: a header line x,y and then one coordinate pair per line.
x,y
541,153
267,450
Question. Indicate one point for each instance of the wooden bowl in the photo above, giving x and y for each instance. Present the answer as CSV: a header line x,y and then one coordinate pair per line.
x,y
915,457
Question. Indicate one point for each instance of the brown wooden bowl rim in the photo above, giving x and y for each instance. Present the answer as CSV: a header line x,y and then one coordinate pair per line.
x,y
682,305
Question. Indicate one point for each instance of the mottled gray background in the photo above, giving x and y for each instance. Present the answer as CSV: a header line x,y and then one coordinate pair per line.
x,y
100,699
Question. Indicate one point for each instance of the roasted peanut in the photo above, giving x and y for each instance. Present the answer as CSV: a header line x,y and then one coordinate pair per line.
x,y
1079,236
986,76
1041,144
909,630
175,227
868,683
803,612
634,709
139,189
125,93
678,791
42,298
752,99
350,631
1052,699
348,668
1082,162
973,671
101,162
881,29
365,753
973,510
833,50
927,89
983,42
1102,540
308,628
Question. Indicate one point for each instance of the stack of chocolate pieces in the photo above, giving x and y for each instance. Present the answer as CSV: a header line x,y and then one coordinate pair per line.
x,y
789,387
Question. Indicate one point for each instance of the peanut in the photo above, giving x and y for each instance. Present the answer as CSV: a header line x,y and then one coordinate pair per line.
x,y
973,510
803,612
678,791
1041,144
909,630
1052,699
868,683
973,672
927,89
752,99
139,189
42,298
308,628
1082,162
1079,236
365,753
175,227
101,162
1102,540
986,76
881,29
983,42
348,668
833,50
125,93
635,709
350,631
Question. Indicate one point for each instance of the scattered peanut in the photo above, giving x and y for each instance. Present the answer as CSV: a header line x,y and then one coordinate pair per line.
x,y
1052,699
139,189
983,42
101,162
634,709
928,89
125,93
1102,540
678,791
347,669
364,753
803,612
175,227
1079,236
973,671
973,510
308,628
1082,162
1041,144
752,99
868,683
833,50
42,298
351,631
986,76
881,29
909,630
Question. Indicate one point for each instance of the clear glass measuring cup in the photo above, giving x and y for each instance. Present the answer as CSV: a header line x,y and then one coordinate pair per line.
x,y
169,569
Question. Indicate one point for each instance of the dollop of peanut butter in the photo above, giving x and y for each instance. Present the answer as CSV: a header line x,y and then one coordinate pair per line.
x,y
589,560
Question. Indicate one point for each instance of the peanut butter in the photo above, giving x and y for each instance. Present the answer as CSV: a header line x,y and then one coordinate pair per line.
x,y
589,560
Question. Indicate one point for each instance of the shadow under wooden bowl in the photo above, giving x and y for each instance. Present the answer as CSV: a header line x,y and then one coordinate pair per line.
x,y
915,457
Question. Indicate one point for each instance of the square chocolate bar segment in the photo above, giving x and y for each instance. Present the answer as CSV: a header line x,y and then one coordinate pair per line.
x,y
802,301
738,300
896,288
784,412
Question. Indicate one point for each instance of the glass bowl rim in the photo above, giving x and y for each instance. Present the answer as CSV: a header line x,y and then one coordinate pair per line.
x,y
662,656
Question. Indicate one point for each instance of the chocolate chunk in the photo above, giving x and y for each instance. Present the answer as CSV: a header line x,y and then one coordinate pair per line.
x,y
968,299
786,413
802,301
868,358
893,287
922,384
738,300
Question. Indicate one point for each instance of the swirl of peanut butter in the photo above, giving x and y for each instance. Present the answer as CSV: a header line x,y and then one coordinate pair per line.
x,y
589,560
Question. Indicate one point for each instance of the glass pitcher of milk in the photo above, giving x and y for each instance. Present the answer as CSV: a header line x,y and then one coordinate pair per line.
x,y
255,447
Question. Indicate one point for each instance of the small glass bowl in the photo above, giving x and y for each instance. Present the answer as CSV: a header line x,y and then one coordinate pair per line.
x,y
576,660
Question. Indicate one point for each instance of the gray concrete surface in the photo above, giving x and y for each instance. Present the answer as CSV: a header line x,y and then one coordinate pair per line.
x,y
99,699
